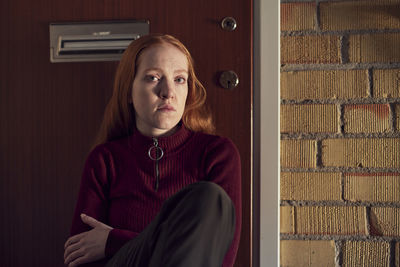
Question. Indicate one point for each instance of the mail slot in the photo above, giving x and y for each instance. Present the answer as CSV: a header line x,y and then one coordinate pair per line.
x,y
98,41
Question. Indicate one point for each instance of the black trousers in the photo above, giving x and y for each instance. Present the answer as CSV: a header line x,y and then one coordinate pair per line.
x,y
194,228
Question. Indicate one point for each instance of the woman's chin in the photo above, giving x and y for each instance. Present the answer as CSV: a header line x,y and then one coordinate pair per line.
x,y
163,129
168,130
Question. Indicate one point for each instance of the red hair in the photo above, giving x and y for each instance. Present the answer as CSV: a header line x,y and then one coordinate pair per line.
x,y
119,115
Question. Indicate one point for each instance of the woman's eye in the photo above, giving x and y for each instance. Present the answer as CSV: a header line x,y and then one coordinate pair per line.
x,y
180,80
151,78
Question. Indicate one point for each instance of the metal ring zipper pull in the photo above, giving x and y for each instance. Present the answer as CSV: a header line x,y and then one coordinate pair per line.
x,y
158,155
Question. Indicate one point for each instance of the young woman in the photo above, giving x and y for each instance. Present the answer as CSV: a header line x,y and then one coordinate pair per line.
x,y
158,189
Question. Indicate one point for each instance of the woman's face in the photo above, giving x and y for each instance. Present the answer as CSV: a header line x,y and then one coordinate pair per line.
x,y
160,89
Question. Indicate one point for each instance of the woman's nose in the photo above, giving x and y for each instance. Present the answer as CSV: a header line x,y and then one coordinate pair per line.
x,y
167,89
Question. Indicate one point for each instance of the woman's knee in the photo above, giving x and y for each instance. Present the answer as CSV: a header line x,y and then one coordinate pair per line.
x,y
213,201
209,189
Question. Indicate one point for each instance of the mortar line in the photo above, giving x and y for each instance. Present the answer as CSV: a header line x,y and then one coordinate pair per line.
x,y
392,254
296,1
368,219
370,83
338,253
337,203
284,236
342,186
318,154
392,117
343,169
334,0
333,66
344,49
294,220
396,119
317,17
340,107
341,101
338,32
311,136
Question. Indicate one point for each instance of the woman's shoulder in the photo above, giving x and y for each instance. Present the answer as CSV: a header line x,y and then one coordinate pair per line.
x,y
212,141
109,148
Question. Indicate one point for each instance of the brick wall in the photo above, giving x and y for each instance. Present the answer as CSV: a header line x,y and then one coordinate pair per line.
x,y
340,133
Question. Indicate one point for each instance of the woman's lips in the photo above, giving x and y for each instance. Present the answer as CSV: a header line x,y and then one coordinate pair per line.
x,y
166,108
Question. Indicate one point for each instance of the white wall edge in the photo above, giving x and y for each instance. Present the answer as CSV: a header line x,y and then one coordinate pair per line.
x,y
266,133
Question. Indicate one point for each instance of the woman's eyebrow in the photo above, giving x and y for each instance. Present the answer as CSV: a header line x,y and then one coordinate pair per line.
x,y
153,69
160,70
181,71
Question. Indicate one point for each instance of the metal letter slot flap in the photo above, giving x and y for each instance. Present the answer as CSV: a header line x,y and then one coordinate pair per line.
x,y
93,41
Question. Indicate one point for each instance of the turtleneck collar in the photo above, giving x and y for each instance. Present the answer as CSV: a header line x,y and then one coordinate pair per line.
x,y
169,144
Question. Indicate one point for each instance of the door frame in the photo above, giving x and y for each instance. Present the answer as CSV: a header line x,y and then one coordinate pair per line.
x,y
265,144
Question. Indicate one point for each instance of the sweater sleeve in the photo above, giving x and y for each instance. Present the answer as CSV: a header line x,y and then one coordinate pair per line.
x,y
223,167
93,200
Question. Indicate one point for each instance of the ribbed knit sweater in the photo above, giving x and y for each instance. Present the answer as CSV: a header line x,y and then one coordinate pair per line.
x,y
119,185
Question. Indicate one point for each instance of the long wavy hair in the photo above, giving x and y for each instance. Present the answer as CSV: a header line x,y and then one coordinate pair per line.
x,y
119,116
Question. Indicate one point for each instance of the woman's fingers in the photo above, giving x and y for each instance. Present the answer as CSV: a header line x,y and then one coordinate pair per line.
x,y
74,256
93,222
73,239
78,261
90,220
71,248
87,246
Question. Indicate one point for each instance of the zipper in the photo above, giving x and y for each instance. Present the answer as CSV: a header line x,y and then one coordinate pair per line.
x,y
159,155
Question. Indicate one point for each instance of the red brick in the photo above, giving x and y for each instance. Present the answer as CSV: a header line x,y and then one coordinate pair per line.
x,y
298,16
286,217
361,152
397,110
298,153
385,221
366,254
373,118
333,84
313,118
307,253
319,49
330,220
374,48
372,187
310,186
358,15
386,83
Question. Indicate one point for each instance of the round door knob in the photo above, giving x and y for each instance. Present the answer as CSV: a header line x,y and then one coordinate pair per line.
x,y
228,79
228,24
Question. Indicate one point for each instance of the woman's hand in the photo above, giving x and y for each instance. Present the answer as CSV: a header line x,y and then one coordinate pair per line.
x,y
87,246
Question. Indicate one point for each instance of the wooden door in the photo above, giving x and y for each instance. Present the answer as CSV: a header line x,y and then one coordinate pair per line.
x,y
50,112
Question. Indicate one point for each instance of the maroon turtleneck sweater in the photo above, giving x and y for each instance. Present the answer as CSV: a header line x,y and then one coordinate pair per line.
x,y
119,180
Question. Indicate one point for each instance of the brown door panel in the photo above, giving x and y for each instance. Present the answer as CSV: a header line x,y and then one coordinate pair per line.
x,y
50,112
